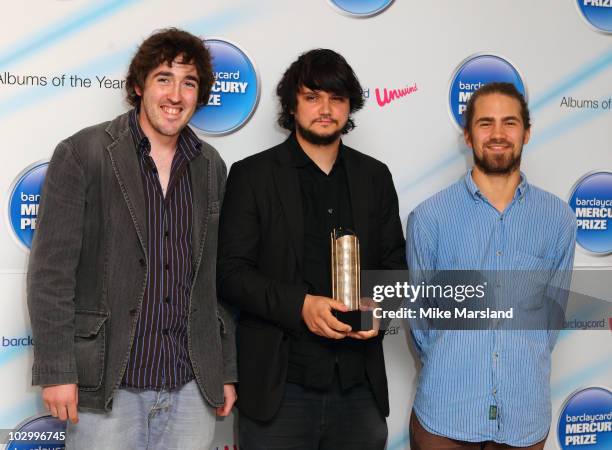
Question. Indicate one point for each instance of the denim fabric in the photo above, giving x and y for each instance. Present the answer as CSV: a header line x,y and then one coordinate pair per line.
x,y
147,420
310,419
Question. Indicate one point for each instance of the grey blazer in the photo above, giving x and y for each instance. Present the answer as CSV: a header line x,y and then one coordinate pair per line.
x,y
88,266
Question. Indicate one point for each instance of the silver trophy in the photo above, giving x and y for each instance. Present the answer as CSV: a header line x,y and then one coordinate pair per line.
x,y
346,278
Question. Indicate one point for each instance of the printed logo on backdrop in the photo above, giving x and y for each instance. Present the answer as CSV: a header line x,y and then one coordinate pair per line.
x,y
24,197
384,96
38,432
360,8
19,341
235,92
585,420
591,200
474,72
597,14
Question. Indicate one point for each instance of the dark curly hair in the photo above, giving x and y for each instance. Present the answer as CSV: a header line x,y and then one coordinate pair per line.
x,y
498,87
320,69
164,46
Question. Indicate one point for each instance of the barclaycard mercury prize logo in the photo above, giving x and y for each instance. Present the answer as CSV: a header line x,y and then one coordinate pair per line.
x,y
591,200
235,91
360,8
585,420
597,14
23,202
473,73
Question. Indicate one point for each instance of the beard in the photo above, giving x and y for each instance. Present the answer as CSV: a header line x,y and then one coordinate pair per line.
x,y
315,138
498,164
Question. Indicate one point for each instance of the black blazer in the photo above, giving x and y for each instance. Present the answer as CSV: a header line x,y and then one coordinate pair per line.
x,y
260,262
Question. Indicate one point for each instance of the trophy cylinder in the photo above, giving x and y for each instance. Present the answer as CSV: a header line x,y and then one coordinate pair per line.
x,y
346,269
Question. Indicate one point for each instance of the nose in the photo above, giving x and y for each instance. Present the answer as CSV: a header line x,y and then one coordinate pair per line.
x,y
497,130
325,105
174,93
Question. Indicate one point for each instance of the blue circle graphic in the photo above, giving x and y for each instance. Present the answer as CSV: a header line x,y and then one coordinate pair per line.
x,y
234,94
38,432
474,72
591,200
585,420
598,13
23,202
361,8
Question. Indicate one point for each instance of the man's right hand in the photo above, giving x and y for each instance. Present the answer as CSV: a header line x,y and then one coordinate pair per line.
x,y
61,400
317,314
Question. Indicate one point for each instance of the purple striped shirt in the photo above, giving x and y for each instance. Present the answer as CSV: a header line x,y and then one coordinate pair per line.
x,y
160,358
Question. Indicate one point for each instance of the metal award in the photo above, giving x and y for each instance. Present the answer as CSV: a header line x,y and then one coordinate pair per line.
x,y
346,278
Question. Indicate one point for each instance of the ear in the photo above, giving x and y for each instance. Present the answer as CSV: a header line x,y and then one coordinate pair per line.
x,y
527,136
138,90
467,138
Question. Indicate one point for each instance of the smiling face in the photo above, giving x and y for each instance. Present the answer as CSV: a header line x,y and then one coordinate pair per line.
x,y
168,100
497,134
320,116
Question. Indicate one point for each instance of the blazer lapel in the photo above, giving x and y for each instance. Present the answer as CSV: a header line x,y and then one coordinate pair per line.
x,y
127,170
359,193
198,170
288,188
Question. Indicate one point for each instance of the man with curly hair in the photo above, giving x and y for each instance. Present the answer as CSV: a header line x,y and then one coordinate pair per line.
x,y
132,345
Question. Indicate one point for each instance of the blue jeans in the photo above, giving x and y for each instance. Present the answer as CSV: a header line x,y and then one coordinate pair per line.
x,y
309,419
147,420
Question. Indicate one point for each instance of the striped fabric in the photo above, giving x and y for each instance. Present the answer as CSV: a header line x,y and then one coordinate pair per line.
x,y
159,357
488,385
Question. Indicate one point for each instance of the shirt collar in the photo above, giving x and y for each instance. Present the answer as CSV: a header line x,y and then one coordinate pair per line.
x,y
188,143
472,188
299,158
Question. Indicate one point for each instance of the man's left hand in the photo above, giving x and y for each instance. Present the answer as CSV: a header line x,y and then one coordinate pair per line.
x,y
367,304
229,392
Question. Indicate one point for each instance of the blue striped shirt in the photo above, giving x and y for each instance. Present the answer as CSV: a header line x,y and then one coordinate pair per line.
x,y
488,385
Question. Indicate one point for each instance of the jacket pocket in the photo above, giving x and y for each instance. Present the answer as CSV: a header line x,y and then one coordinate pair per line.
x,y
90,348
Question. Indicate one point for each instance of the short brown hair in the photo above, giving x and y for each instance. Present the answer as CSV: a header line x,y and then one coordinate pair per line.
x,y
498,87
164,46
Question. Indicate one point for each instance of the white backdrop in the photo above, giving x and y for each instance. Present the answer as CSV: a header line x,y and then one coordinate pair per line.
x,y
412,43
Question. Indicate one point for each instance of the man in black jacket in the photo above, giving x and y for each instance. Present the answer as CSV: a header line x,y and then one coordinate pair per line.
x,y
307,380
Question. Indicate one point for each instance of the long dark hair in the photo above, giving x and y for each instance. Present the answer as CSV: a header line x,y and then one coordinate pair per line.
x,y
320,69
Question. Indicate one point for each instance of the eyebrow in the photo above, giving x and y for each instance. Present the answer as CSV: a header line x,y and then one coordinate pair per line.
x,y
491,119
165,73
317,91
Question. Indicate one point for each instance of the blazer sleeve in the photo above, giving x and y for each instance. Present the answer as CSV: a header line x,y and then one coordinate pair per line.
x,y
393,245
225,312
240,282
51,277
392,254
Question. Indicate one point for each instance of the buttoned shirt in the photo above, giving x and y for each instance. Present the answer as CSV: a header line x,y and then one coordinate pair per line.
x,y
159,358
326,204
492,384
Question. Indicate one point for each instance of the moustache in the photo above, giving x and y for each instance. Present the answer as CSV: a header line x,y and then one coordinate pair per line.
x,y
498,142
326,119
